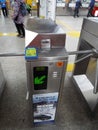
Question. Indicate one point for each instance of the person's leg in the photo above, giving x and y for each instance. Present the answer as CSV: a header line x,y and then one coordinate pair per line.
x,y
89,12
77,12
22,30
18,29
29,11
6,12
3,11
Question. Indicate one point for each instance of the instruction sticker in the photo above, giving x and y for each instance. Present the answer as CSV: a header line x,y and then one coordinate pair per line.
x,y
31,53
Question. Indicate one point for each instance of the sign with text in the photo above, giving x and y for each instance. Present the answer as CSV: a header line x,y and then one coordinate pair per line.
x,y
44,107
31,53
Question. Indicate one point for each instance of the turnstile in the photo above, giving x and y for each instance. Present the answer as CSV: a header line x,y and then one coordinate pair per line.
x,y
46,61
85,74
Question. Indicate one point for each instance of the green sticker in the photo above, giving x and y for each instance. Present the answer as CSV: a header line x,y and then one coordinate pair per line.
x,y
31,52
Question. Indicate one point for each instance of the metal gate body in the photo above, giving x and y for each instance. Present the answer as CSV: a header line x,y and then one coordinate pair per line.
x,y
45,71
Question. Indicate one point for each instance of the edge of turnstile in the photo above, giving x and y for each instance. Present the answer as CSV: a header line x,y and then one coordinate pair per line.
x,y
86,89
2,81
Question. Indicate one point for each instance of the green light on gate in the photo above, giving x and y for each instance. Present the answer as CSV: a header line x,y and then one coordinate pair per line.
x,y
40,80
40,75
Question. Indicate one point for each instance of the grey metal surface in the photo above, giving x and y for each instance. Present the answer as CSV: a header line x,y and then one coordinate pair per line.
x,y
91,39
88,40
96,78
90,25
81,67
50,59
2,81
11,54
56,74
54,83
89,31
87,89
45,29
39,25
51,55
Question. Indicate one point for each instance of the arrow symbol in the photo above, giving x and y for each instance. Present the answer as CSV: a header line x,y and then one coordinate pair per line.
x,y
40,80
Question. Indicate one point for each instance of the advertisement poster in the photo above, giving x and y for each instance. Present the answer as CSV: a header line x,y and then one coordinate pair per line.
x,y
44,106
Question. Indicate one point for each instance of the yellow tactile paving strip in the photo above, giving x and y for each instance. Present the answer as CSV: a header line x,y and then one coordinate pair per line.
x,y
8,34
71,32
70,67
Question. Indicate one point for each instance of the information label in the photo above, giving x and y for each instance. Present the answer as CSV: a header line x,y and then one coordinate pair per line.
x,y
31,53
44,106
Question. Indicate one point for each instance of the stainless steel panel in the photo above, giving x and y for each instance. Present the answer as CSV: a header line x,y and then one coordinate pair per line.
x,y
56,74
46,29
91,39
86,89
51,54
42,26
54,81
2,81
46,73
85,73
91,25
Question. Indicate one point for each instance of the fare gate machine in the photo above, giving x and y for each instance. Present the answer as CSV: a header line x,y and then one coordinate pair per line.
x,y
46,61
85,74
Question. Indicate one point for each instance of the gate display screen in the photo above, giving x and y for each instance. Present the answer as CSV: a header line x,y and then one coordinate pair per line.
x,y
40,77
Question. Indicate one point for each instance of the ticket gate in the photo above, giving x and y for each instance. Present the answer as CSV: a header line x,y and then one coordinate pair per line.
x,y
85,75
46,61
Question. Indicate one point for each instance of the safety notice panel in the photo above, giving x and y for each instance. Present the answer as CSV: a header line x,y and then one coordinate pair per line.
x,y
44,106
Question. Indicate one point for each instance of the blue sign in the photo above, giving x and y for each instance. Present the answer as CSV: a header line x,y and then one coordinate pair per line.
x,y
31,53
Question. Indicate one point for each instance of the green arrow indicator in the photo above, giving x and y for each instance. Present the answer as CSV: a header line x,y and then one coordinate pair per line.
x,y
40,80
